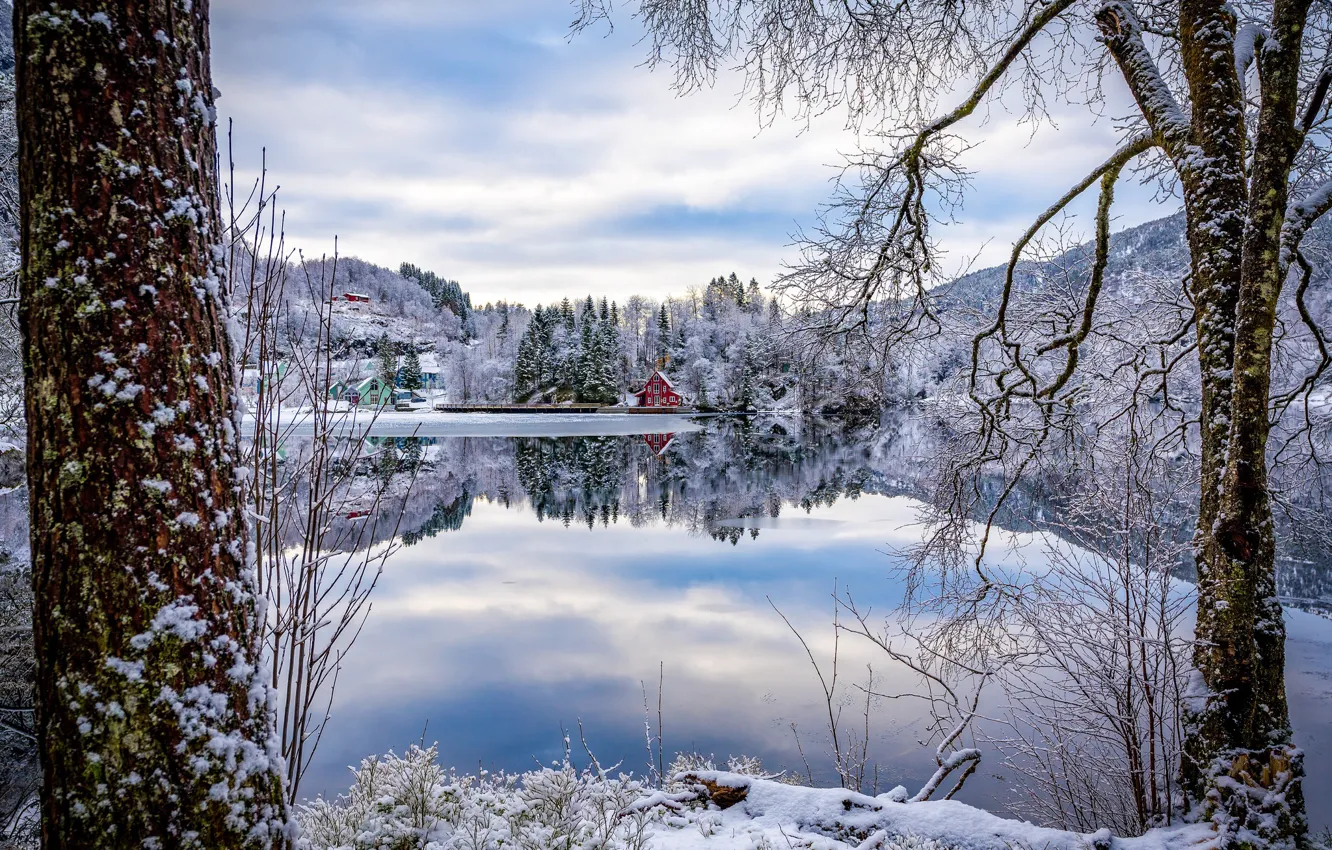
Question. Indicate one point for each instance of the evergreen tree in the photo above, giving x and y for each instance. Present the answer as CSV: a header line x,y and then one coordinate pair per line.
x,y
527,367
445,517
587,351
502,334
388,361
533,369
411,378
748,378
600,383
663,334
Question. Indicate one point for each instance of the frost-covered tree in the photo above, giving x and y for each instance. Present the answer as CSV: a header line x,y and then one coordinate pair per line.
x,y
444,294
587,351
386,353
663,333
1230,108
411,378
153,715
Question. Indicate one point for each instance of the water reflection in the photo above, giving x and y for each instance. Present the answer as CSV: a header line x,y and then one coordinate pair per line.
x,y
544,579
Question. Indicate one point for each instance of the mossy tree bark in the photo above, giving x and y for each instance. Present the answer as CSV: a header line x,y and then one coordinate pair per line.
x,y
1240,766
154,722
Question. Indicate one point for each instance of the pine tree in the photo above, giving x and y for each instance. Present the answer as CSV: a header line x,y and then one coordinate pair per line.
x,y
587,351
503,333
412,450
601,385
748,378
663,334
411,378
387,353
525,366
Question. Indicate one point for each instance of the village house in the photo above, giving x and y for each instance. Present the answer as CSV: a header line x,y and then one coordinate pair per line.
x,y
369,392
658,392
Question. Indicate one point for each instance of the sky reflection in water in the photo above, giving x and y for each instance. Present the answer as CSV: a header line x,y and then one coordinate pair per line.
x,y
491,637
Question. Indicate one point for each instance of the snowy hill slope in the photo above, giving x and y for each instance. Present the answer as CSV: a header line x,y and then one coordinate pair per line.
x,y
1157,247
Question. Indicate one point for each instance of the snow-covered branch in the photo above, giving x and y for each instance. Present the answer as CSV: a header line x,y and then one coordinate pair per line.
x,y
1122,33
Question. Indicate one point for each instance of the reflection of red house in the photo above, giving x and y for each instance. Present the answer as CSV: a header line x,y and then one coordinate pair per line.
x,y
658,392
658,442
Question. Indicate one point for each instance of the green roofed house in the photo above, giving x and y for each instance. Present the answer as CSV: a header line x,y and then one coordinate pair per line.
x,y
371,392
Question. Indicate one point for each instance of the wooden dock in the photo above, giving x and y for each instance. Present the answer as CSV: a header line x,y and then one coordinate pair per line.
x,y
554,408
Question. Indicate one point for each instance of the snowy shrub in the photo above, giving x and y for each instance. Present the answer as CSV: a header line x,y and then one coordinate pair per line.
x,y
409,803
692,762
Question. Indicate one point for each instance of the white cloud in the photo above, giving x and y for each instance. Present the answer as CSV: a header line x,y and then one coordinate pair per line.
x,y
585,173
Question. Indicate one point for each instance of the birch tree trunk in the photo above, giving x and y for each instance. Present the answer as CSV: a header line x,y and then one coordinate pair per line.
x,y
154,722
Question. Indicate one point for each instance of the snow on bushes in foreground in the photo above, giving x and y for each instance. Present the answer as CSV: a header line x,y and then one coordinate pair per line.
x,y
410,803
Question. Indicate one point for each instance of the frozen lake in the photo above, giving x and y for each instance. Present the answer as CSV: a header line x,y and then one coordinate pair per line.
x,y
551,581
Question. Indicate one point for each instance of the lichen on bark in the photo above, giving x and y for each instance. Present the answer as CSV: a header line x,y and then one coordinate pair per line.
x,y
153,719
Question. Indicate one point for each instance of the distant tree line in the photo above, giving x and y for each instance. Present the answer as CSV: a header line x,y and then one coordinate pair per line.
x,y
444,293
574,356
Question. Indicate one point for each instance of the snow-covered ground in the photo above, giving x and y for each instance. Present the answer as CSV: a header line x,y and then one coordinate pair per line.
x,y
409,801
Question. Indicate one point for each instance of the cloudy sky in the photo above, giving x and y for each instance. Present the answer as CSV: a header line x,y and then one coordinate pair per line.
x,y
476,139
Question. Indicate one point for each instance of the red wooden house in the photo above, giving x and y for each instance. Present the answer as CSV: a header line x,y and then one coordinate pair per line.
x,y
658,392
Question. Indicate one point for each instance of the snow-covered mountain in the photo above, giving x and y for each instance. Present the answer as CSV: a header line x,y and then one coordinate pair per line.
x,y
1158,248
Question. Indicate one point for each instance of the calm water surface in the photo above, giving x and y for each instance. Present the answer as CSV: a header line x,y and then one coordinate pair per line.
x,y
548,581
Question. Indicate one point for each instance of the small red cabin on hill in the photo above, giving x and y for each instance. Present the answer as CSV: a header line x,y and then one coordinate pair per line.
x,y
356,297
658,392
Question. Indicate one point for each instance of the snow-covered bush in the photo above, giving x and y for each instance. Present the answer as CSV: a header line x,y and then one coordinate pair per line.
x,y
409,802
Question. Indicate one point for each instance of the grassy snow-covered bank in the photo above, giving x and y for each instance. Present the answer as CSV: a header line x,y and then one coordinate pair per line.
x,y
410,802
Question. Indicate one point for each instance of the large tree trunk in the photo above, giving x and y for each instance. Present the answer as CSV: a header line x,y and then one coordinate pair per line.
x,y
154,724
1240,768
1240,763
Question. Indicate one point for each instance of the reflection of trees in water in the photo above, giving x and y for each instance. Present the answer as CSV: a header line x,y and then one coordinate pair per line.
x,y
707,482
727,479
447,516
573,478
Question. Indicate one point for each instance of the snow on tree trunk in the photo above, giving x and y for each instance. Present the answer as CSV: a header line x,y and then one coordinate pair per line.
x,y
154,722
1240,766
